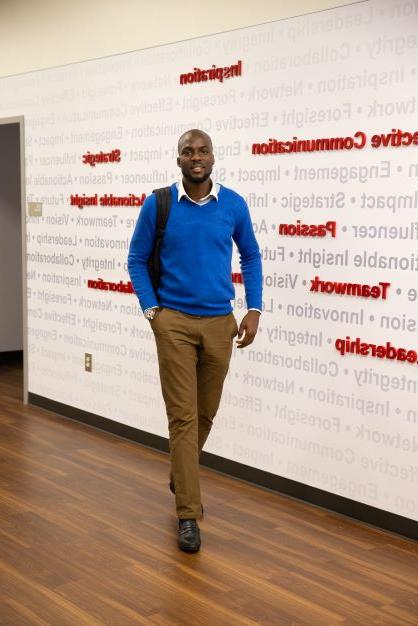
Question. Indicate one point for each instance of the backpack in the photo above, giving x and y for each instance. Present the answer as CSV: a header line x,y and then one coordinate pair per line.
x,y
163,209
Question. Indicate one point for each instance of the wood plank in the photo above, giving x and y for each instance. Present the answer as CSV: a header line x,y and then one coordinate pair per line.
x,y
88,536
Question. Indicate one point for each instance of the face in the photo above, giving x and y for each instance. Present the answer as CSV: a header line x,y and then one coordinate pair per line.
x,y
195,157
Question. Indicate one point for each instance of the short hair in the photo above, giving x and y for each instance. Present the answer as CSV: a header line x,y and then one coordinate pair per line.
x,y
193,131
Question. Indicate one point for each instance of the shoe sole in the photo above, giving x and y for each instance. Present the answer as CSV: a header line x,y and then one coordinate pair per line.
x,y
189,550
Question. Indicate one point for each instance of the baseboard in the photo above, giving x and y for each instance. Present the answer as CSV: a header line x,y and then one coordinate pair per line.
x,y
12,356
351,508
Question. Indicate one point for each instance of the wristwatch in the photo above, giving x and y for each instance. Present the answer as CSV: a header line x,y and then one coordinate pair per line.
x,y
150,313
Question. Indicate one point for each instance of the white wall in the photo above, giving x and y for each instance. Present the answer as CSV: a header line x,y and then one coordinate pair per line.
x,y
293,405
47,33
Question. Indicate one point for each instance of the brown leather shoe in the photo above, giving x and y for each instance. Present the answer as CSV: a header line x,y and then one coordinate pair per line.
x,y
188,535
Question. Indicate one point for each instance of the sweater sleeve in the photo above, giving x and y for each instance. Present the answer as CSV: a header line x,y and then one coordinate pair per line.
x,y
250,257
140,248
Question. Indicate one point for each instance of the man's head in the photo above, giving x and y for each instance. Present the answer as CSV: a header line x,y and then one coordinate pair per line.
x,y
195,156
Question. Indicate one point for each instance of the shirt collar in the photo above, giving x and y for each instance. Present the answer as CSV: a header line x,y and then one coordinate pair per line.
x,y
183,194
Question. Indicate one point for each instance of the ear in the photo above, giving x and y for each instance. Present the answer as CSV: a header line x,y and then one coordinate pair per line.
x,y
178,161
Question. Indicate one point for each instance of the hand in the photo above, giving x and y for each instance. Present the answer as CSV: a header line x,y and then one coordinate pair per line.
x,y
248,329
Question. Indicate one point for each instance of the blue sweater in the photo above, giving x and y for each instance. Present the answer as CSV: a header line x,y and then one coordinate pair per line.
x,y
196,255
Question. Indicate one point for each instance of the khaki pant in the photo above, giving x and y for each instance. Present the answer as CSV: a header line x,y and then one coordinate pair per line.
x,y
193,356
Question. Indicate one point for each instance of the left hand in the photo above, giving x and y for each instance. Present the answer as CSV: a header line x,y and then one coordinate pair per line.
x,y
248,329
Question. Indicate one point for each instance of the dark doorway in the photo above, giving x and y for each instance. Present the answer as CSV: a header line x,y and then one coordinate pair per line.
x,y
12,246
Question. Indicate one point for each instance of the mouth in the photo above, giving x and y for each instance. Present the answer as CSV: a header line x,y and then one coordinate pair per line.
x,y
196,169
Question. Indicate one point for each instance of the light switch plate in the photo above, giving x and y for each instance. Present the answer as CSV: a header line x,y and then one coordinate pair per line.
x,y
88,362
35,209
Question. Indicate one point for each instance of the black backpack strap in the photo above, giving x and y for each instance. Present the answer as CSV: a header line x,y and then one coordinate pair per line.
x,y
163,208
163,196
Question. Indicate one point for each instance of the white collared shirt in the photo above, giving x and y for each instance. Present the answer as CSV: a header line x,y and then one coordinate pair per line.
x,y
213,194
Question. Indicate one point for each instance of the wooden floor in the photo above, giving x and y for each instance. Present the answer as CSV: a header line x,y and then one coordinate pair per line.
x,y
88,536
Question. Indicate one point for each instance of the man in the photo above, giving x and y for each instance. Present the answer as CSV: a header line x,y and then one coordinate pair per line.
x,y
191,315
